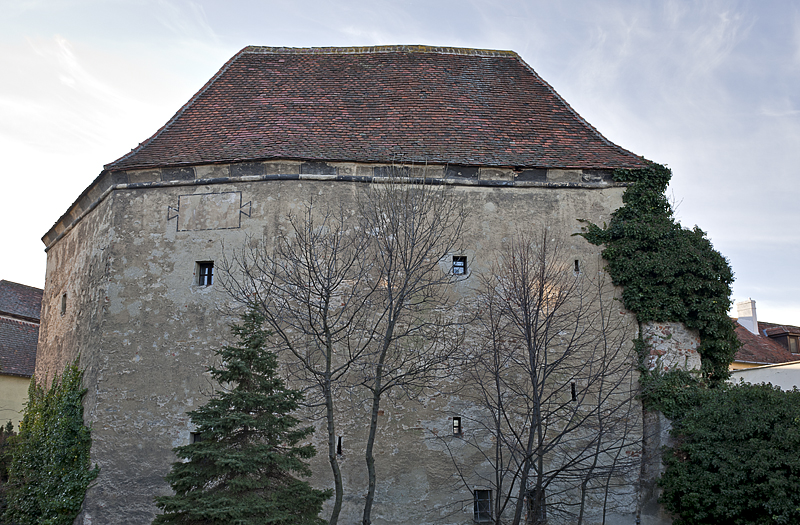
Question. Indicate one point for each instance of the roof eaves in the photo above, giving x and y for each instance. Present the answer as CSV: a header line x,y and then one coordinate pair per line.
x,y
765,365
111,165
15,374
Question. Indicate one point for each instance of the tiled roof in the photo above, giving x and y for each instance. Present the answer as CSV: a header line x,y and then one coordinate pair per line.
x,y
19,300
18,347
760,349
772,329
379,104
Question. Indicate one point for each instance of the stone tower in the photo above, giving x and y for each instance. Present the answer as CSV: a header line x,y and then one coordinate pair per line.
x,y
130,262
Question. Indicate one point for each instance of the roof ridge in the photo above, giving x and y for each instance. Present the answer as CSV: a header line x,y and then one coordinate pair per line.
x,y
363,50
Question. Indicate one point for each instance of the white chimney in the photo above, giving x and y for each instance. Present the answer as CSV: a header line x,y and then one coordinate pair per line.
x,y
747,315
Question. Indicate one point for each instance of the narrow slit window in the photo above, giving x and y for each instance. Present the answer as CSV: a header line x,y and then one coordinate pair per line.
x,y
483,506
205,273
63,303
339,446
574,392
457,429
459,264
577,266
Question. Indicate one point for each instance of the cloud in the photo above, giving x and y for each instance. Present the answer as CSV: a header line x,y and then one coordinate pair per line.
x,y
57,99
185,20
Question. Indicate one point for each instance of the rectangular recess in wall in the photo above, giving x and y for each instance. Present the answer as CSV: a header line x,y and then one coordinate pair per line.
x,y
210,211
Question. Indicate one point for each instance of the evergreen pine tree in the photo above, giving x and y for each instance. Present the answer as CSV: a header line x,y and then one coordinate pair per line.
x,y
241,469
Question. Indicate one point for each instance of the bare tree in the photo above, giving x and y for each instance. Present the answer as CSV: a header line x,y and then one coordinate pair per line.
x,y
313,288
359,300
552,370
412,227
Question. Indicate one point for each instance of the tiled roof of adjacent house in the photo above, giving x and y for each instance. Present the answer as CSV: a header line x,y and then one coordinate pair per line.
x,y
773,329
18,300
760,348
18,347
379,104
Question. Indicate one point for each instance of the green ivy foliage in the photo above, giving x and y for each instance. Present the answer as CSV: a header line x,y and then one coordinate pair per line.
x,y
50,467
7,436
668,273
242,469
736,459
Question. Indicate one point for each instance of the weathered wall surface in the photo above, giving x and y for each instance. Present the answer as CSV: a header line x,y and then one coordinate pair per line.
x,y
146,331
672,347
74,298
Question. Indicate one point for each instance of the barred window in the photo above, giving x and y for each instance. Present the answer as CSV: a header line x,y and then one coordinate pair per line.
x,y
205,273
459,264
483,505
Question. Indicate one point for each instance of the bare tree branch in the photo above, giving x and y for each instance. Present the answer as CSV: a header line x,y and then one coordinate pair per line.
x,y
553,371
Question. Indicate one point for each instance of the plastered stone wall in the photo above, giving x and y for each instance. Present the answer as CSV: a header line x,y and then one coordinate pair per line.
x,y
145,331
672,347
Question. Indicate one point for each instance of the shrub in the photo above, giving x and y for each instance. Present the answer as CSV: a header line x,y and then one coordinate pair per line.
x,y
50,467
736,459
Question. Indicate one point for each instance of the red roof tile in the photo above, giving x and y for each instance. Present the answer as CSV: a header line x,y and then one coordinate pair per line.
x,y
760,349
379,104
18,300
772,329
18,341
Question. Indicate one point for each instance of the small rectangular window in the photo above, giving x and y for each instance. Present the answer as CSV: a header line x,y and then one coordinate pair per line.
x,y
792,345
195,437
483,505
577,266
64,303
457,429
205,273
459,264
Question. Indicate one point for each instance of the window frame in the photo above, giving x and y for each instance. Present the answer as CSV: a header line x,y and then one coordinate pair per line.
x,y
482,505
459,265
458,429
205,273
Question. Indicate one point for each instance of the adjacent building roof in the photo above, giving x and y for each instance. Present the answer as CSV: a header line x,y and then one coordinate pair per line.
x,y
20,308
18,300
760,349
773,329
18,347
379,104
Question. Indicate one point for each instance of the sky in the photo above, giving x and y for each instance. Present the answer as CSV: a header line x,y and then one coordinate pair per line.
x,y
709,88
